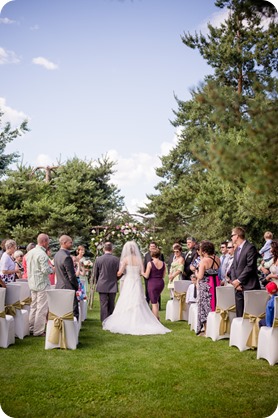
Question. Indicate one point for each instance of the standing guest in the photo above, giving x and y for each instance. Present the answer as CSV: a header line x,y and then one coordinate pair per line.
x,y
224,258
231,251
79,259
147,258
8,267
105,271
208,280
265,250
172,256
177,267
51,263
154,274
270,268
18,257
196,260
272,290
38,271
191,294
64,269
3,249
189,257
244,272
24,262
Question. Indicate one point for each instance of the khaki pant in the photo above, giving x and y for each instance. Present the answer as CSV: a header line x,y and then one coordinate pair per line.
x,y
38,312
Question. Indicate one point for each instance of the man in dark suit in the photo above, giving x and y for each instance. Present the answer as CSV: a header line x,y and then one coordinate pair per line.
x,y
189,257
244,271
105,274
153,246
64,269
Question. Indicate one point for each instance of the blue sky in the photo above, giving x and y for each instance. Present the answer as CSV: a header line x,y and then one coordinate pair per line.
x,y
98,77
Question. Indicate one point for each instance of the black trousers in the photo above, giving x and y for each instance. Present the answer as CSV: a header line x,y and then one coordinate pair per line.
x,y
107,304
239,299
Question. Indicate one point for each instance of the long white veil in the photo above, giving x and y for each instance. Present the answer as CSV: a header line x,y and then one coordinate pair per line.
x,y
131,255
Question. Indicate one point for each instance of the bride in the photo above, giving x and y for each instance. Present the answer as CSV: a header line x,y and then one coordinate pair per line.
x,y
132,314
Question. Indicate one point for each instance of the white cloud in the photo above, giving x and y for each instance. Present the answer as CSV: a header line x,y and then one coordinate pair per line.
x,y
15,117
45,63
43,160
8,57
6,21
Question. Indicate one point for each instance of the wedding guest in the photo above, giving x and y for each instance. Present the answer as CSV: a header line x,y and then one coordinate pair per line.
x,y
224,258
265,250
272,290
191,294
189,257
154,274
64,269
38,271
8,267
231,251
18,257
152,247
208,280
270,267
244,271
80,259
51,263
105,271
196,259
24,262
177,267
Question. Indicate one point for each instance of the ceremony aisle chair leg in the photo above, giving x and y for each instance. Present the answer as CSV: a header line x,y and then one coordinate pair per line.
x,y
193,312
13,307
176,308
244,331
7,327
268,340
219,322
25,301
62,326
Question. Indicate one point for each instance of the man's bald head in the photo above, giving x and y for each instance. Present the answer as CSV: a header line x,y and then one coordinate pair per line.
x,y
43,240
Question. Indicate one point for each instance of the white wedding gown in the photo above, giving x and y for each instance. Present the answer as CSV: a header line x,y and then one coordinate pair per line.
x,y
132,314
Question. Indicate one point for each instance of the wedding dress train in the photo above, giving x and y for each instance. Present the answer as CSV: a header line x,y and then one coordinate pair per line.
x,y
132,314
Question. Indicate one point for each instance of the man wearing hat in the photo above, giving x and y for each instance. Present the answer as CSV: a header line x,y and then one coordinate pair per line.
x,y
272,290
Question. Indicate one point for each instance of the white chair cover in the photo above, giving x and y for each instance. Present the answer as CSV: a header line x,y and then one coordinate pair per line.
x,y
241,328
7,326
268,339
224,314
173,306
21,319
83,309
25,295
60,303
193,314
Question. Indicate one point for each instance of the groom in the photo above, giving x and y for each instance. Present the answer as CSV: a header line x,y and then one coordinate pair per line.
x,y
105,272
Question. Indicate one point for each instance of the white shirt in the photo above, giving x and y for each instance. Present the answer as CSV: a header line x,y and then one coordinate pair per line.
x,y
190,294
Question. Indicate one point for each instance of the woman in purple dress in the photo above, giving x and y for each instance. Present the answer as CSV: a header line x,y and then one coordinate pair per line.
x,y
155,273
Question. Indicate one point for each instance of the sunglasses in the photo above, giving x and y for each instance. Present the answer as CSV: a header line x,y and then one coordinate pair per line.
x,y
233,235
177,251
229,248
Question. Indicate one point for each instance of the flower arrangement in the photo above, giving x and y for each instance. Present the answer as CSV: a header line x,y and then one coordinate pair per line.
x,y
120,234
88,264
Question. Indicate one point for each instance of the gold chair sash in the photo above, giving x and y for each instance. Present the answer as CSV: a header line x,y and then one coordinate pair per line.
x,y
26,301
180,296
2,314
252,340
225,325
11,309
275,323
59,328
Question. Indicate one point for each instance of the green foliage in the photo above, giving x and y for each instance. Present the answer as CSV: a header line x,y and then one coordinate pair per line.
x,y
7,135
222,171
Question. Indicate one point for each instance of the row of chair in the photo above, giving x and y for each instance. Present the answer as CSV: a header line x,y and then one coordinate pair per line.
x,y
62,328
243,332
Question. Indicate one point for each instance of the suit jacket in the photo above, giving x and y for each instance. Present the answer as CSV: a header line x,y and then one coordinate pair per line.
x,y
245,268
105,272
64,269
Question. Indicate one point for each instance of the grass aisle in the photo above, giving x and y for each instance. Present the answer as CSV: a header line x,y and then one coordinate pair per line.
x,y
172,375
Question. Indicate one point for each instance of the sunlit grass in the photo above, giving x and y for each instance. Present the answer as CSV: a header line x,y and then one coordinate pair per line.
x,y
109,375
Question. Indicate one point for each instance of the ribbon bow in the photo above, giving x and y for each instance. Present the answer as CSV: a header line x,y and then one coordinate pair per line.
x,y
26,301
252,340
58,328
180,296
2,314
275,323
11,309
225,325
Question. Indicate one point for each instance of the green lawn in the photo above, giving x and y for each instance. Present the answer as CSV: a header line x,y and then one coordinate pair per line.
x,y
109,375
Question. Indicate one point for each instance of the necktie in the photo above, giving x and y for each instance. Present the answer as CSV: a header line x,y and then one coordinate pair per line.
x,y
238,253
195,291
